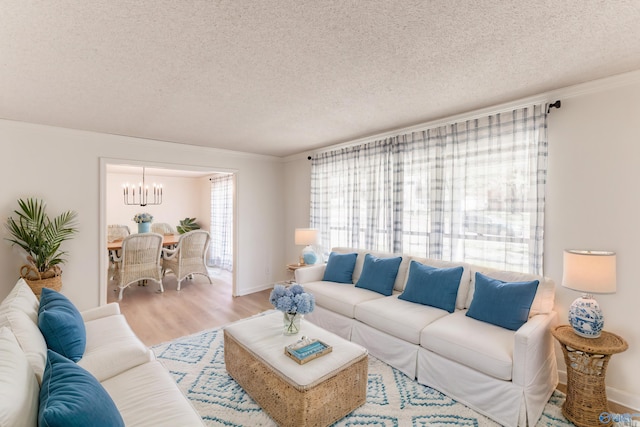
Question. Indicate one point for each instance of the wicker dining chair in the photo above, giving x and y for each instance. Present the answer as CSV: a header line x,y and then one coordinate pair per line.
x,y
140,260
188,257
162,228
115,232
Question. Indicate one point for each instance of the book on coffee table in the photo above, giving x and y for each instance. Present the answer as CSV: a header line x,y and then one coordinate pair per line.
x,y
306,350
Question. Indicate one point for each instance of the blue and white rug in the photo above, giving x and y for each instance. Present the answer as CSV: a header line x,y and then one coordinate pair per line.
x,y
393,399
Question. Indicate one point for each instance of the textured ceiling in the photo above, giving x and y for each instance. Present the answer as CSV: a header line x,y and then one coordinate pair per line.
x,y
281,77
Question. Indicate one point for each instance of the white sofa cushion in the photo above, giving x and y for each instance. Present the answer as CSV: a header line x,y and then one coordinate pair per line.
x,y
18,385
482,346
112,347
340,298
465,280
147,395
402,319
19,311
545,295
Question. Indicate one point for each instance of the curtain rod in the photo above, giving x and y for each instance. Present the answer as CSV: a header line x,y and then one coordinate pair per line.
x,y
556,104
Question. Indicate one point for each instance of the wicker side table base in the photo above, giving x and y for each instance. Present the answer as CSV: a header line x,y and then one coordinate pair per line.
x,y
586,360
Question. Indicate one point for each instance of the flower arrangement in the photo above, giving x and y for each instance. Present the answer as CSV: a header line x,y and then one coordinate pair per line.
x,y
292,300
142,217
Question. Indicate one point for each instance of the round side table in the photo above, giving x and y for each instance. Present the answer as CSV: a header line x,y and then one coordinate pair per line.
x,y
586,360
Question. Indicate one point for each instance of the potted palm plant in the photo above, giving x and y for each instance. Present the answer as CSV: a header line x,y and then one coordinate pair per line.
x,y
41,237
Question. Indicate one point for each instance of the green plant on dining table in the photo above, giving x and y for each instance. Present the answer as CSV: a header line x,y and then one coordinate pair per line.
x,y
186,225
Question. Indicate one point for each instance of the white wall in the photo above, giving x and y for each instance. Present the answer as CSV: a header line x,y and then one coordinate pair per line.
x,y
593,202
62,166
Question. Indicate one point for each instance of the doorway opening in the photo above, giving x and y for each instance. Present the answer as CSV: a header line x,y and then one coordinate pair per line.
x,y
187,194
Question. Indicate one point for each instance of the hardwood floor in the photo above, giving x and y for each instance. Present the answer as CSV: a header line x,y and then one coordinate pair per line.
x,y
158,317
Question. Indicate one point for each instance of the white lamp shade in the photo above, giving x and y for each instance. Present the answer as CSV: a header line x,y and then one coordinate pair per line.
x,y
306,236
593,272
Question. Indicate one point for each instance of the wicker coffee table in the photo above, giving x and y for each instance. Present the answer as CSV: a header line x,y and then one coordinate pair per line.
x,y
317,393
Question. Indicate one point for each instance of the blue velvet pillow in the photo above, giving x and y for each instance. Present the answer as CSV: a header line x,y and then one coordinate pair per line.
x,y
340,268
379,274
505,304
437,287
61,325
70,396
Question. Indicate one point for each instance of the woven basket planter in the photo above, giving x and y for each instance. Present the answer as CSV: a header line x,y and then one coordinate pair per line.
x,y
51,278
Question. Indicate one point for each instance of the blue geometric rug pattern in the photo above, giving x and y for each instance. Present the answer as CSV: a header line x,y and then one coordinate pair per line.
x,y
393,399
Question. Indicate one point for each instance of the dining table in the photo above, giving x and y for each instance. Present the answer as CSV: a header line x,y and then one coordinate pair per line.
x,y
168,240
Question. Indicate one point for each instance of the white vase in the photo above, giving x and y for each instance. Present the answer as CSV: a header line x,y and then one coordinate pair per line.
x,y
291,323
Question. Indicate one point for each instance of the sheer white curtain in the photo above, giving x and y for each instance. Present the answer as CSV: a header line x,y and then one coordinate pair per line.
x,y
470,191
221,248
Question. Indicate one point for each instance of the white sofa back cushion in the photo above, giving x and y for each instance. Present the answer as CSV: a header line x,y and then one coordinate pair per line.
x,y
18,385
357,271
465,280
545,295
18,313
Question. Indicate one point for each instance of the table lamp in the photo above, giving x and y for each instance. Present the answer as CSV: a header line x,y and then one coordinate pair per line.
x,y
307,237
592,272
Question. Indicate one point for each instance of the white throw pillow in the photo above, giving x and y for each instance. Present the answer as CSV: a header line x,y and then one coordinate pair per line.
x,y
18,386
17,311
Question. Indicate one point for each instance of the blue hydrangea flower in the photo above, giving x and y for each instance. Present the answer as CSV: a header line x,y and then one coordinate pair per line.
x,y
292,300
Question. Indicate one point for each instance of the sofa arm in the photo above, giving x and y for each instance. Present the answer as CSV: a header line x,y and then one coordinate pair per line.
x,y
533,347
313,273
100,312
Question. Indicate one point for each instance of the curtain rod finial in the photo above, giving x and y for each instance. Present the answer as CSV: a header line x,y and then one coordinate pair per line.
x,y
556,104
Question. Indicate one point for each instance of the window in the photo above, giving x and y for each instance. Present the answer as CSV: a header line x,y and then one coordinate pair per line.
x,y
470,191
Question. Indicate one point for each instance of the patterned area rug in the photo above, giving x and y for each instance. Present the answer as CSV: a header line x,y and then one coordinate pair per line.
x,y
393,399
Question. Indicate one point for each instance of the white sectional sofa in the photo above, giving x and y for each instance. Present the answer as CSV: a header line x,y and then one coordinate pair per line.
x,y
114,360
508,375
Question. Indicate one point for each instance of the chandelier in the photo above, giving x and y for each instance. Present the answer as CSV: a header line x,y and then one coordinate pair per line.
x,y
140,195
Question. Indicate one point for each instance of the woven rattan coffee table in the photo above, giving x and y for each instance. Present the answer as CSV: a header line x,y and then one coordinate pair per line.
x,y
586,360
317,393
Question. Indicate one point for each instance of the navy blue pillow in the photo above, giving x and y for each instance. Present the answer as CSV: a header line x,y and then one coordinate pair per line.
x,y
61,325
505,304
379,274
437,287
340,267
70,396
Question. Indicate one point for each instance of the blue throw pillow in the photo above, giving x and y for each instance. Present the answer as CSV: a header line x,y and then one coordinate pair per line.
x,y
504,304
379,274
340,267
70,396
61,325
437,287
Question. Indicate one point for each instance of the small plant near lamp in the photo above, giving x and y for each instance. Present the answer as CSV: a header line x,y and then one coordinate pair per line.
x,y
144,221
187,224
41,237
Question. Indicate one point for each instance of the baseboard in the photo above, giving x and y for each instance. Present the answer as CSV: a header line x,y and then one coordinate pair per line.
x,y
256,289
613,395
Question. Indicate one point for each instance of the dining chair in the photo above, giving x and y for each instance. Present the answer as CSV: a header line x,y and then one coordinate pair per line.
x,y
162,228
188,257
140,260
115,232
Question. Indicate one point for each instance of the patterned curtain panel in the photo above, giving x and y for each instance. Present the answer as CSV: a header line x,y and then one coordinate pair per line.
x,y
221,249
470,191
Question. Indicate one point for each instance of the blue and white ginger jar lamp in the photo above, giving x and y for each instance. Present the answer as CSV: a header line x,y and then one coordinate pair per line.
x,y
307,237
590,272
